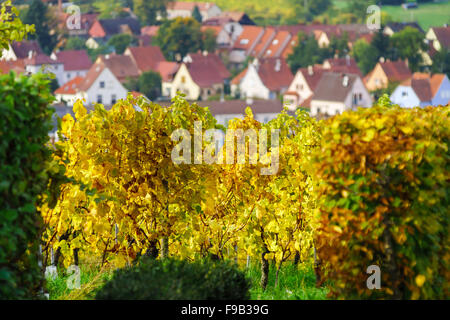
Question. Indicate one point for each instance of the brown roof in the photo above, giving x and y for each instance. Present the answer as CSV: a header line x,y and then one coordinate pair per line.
x,y
396,70
70,87
74,59
331,86
121,66
275,73
312,78
345,65
21,49
422,89
146,58
443,36
167,70
207,70
92,75
40,59
239,106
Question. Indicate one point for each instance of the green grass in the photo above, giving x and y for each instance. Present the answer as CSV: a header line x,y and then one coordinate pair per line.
x,y
427,15
295,283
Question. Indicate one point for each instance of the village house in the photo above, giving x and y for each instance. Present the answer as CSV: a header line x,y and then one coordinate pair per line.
x,y
122,66
145,58
224,111
102,30
183,9
263,79
338,92
302,87
344,65
21,50
76,63
422,90
225,29
39,62
385,73
394,27
17,66
98,86
240,17
439,37
245,44
200,76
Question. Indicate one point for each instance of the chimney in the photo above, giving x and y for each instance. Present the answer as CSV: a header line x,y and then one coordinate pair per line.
x,y
345,80
310,70
107,56
30,54
249,101
407,62
382,59
205,53
347,59
278,65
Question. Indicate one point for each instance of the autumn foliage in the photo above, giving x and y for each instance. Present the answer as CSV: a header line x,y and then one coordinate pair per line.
x,y
384,189
368,187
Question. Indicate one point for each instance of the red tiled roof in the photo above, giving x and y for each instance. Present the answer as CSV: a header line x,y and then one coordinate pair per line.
x,y
236,80
167,70
275,73
18,66
264,42
71,87
425,85
207,70
277,44
435,82
344,65
422,88
248,37
74,60
396,70
146,58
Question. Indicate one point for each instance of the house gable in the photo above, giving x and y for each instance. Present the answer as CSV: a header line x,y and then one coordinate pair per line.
x,y
252,86
405,97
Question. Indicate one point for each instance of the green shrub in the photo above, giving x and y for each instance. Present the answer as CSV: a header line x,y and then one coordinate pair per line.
x,y
177,280
25,121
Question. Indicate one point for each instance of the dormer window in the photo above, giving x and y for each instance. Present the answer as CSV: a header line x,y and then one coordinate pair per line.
x,y
244,41
275,42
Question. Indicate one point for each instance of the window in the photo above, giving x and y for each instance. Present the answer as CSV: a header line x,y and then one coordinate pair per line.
x,y
102,84
183,79
360,96
275,42
99,98
68,76
404,94
113,99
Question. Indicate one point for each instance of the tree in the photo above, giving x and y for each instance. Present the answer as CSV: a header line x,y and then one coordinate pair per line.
x,y
121,42
306,53
149,84
364,55
14,30
209,40
381,44
409,44
196,14
441,62
38,15
75,43
179,36
338,46
149,10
